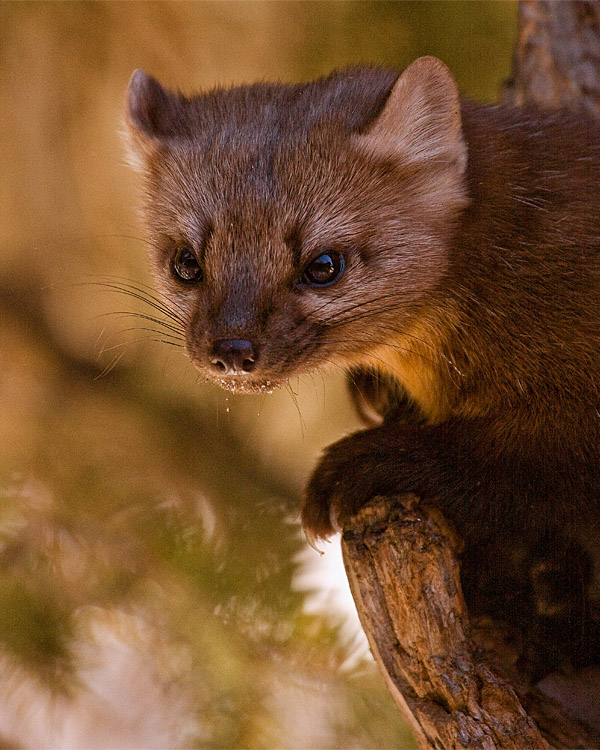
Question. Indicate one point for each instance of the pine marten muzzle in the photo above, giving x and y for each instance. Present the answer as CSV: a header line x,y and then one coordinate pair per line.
x,y
445,253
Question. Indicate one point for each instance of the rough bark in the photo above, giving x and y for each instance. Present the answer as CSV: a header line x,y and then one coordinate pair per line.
x,y
403,571
556,60
456,681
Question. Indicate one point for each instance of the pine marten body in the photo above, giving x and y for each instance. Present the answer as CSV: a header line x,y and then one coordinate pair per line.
x,y
447,253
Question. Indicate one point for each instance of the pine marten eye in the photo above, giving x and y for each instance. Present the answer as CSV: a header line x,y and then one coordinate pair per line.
x,y
185,266
324,270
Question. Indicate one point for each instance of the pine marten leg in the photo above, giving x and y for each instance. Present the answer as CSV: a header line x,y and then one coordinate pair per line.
x,y
451,464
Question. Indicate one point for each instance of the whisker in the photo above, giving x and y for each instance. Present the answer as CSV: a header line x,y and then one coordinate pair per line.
x,y
159,308
148,293
144,297
110,367
385,365
360,308
125,344
359,311
123,314
434,349
360,314
294,398
330,300
147,289
158,332
363,303
377,342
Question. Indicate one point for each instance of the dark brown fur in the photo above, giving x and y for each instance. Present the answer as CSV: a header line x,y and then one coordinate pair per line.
x,y
471,296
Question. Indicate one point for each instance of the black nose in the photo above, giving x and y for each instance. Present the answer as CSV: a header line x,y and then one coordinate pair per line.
x,y
232,355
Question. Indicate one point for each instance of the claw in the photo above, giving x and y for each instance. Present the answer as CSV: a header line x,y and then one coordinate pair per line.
x,y
334,520
313,540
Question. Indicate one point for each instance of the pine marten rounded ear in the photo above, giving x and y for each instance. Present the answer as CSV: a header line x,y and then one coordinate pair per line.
x,y
421,118
152,110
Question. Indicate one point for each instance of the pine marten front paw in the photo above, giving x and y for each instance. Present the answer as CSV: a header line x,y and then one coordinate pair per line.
x,y
347,476
322,507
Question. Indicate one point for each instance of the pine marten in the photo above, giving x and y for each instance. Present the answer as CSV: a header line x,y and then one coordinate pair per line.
x,y
447,254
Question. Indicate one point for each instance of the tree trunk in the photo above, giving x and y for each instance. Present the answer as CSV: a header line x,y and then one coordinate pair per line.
x,y
556,60
456,680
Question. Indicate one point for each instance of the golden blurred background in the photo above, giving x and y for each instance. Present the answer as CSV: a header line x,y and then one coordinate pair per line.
x,y
155,589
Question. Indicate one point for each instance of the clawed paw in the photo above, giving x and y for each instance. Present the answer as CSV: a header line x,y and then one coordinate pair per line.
x,y
343,481
320,514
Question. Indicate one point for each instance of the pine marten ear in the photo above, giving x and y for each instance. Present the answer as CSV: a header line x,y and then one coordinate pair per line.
x,y
152,110
420,120
153,114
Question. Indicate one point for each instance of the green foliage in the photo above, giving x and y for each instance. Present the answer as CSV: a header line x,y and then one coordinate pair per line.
x,y
36,627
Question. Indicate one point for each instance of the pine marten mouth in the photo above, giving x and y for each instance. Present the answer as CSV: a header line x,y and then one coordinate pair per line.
x,y
244,384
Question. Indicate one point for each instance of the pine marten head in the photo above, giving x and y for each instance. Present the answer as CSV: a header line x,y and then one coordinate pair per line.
x,y
296,226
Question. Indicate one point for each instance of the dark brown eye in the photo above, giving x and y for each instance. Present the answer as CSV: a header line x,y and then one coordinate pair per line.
x,y
185,267
324,270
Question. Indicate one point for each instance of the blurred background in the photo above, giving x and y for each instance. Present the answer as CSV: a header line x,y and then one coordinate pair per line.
x,y
155,588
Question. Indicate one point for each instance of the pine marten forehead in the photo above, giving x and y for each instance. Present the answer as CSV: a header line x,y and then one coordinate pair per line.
x,y
280,186
275,145
262,113
276,159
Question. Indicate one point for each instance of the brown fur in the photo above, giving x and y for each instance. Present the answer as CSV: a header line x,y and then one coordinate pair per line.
x,y
471,236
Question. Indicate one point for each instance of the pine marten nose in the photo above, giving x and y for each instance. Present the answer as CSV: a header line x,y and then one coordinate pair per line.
x,y
232,356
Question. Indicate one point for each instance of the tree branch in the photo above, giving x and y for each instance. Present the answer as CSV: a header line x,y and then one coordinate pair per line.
x,y
403,572
455,682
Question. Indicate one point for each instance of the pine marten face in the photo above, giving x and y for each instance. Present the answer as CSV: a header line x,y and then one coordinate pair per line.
x,y
293,227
